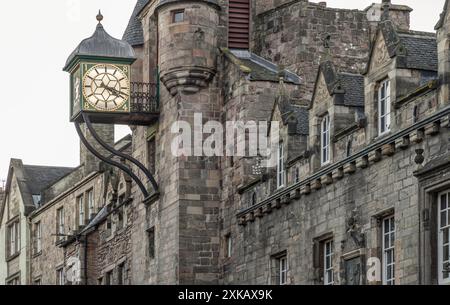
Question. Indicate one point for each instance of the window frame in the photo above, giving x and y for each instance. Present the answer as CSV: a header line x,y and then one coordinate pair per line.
x,y
81,213
13,238
283,271
121,274
37,238
174,14
440,239
60,277
108,278
281,179
90,202
60,224
325,136
328,270
386,101
13,280
388,249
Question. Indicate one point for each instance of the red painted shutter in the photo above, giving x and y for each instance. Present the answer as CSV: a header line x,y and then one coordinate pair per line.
x,y
239,24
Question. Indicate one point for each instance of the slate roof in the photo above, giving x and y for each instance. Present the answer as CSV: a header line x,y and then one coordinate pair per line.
x,y
301,114
421,50
134,33
353,85
262,69
291,112
101,44
347,88
39,178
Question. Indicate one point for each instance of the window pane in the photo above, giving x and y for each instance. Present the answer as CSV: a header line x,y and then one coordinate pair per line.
x,y
443,219
443,202
446,236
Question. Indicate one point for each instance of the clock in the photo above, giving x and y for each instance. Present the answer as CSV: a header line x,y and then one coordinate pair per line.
x,y
106,88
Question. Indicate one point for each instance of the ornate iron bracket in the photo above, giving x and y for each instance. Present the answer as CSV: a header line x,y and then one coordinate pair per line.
x,y
114,152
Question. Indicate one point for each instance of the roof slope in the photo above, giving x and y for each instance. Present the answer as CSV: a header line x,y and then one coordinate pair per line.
x,y
346,88
39,178
421,50
353,85
134,33
413,49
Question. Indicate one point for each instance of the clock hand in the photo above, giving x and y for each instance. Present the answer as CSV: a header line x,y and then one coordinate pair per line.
x,y
113,91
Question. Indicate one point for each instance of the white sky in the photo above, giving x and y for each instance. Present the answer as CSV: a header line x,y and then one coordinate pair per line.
x,y
38,36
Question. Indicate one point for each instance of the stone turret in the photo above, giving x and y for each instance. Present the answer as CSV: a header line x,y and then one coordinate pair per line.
x,y
188,33
443,39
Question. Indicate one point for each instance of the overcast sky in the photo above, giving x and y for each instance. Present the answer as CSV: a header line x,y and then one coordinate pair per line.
x,y
37,37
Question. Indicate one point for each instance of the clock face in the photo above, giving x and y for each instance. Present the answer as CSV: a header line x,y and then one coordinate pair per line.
x,y
106,87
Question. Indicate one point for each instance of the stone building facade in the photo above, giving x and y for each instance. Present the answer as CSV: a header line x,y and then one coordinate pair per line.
x,y
360,191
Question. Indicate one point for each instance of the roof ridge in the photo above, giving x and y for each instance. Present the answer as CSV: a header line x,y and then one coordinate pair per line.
x,y
48,166
418,34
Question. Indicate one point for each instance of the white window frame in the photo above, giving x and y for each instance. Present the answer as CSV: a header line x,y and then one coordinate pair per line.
x,y
283,270
280,166
384,100
60,223
81,211
325,140
328,262
14,238
38,236
442,227
60,280
90,199
388,249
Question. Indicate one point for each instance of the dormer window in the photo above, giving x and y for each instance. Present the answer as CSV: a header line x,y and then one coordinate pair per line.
x,y
384,107
280,165
325,140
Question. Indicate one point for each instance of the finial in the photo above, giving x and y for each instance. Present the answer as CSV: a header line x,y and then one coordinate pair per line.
x,y
327,45
99,16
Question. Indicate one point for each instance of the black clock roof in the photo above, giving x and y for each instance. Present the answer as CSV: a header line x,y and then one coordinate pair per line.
x,y
103,45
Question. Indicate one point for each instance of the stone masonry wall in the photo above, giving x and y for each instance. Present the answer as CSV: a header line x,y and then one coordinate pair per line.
x,y
371,192
293,35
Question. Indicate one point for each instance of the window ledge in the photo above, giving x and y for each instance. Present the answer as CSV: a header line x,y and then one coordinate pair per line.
x,y
37,254
12,257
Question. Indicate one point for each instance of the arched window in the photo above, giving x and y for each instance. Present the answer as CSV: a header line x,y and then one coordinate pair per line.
x,y
254,201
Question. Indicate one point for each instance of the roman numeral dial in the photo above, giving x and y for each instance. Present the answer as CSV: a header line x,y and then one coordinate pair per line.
x,y
106,87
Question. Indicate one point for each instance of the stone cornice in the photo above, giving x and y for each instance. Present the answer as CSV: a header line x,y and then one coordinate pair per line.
x,y
360,160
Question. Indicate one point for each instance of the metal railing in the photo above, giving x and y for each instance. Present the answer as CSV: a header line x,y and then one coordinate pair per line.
x,y
144,97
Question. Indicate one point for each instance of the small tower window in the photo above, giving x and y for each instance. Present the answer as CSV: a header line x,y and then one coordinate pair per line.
x,y
254,199
177,16
384,108
325,140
